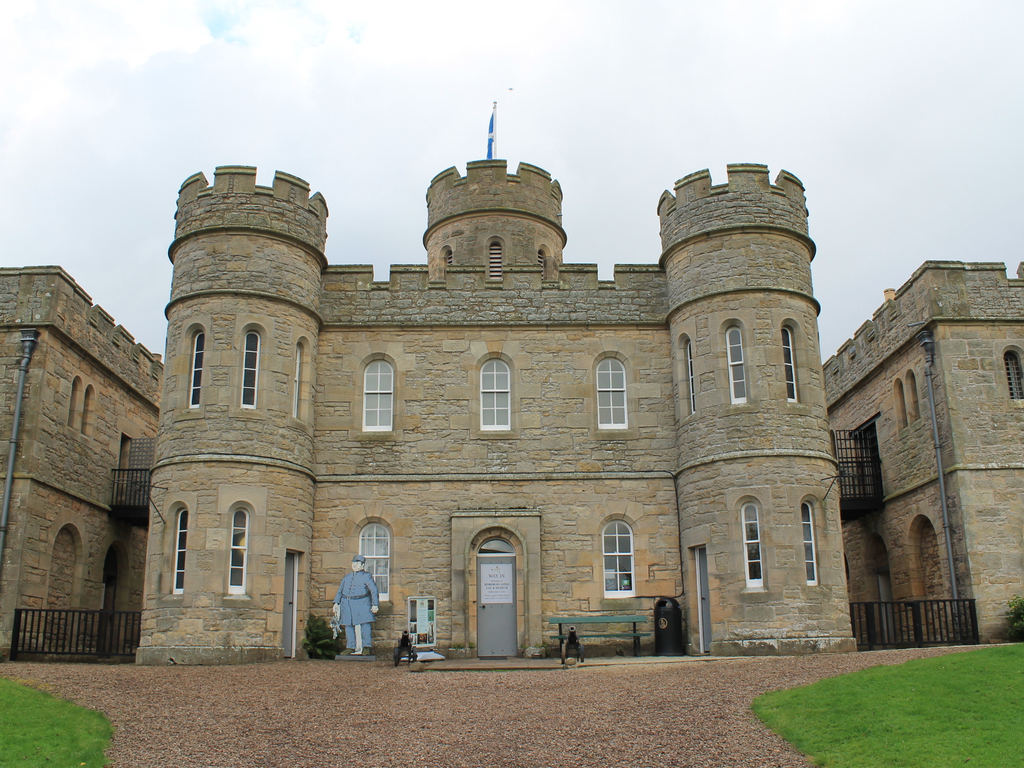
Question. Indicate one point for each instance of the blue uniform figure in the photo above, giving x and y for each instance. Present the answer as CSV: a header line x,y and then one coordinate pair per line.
x,y
354,607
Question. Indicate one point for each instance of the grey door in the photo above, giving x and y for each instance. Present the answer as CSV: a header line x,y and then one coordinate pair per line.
x,y
288,624
704,610
496,630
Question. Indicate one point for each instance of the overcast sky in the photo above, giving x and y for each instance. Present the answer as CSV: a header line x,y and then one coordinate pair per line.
x,y
903,120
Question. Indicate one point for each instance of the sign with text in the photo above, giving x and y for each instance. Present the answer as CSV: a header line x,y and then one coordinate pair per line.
x,y
497,582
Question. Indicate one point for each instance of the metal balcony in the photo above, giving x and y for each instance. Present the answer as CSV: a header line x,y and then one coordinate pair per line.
x,y
860,472
130,497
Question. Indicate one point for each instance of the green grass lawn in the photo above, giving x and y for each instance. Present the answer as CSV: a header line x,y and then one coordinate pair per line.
x,y
38,729
965,709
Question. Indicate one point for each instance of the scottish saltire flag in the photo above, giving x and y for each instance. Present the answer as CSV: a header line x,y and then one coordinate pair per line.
x,y
490,132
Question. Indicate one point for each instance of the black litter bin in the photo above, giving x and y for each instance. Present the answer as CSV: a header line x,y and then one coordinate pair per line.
x,y
668,627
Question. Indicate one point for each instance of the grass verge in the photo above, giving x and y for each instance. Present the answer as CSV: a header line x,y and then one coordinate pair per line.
x,y
38,729
965,709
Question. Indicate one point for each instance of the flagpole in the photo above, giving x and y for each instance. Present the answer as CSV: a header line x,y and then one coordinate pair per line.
x,y
492,141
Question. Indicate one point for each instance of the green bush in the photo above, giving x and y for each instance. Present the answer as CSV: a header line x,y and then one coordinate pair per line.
x,y
320,642
1015,617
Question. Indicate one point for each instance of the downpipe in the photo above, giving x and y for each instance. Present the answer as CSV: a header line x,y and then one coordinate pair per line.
x,y
29,339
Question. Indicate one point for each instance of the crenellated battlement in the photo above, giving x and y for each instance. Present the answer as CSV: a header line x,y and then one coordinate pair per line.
x,y
940,291
748,199
487,186
235,201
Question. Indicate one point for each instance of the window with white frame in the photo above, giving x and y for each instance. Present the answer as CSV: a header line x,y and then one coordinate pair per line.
x,y
250,369
618,560
737,378
789,364
375,546
752,545
196,380
1014,376
810,560
239,550
180,543
495,396
378,396
297,382
611,394
689,376
494,261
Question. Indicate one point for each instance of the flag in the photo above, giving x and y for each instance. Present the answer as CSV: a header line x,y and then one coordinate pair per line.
x,y
490,132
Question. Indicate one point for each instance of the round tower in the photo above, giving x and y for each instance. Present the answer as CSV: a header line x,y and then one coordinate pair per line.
x,y
233,477
494,223
759,529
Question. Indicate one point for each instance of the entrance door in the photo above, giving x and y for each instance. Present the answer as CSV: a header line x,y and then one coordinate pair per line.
x,y
496,630
290,587
703,600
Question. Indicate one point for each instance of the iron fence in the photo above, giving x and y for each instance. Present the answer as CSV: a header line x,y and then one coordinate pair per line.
x,y
61,632
914,623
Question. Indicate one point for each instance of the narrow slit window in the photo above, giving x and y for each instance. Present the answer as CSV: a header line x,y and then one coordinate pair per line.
x,y
901,403
74,412
737,376
690,378
494,261
181,540
297,382
913,406
250,369
196,386
89,411
789,364
239,550
611,394
752,545
1014,376
810,559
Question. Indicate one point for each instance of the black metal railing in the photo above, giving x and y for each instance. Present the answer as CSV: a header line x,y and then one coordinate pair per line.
x,y
60,632
860,472
914,623
130,497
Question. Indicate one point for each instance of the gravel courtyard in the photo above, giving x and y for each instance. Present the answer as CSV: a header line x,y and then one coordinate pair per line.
x,y
322,713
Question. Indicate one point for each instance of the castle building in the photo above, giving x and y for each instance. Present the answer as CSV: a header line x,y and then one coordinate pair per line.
x,y
876,386
502,435
75,533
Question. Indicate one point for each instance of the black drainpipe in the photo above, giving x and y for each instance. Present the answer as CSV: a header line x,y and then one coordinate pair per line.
x,y
29,339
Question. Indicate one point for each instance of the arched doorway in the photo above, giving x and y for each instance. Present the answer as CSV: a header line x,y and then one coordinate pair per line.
x,y
926,577
109,602
63,557
877,561
497,630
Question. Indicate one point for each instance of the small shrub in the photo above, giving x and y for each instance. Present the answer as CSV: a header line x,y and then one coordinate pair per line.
x,y
1015,618
320,642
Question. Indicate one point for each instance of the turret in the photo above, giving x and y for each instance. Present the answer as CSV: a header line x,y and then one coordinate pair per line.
x,y
234,465
494,223
754,462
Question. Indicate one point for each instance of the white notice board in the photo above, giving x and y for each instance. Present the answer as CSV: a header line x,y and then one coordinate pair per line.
x,y
496,583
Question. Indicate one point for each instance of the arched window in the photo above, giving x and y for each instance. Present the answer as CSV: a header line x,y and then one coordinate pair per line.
x,y
494,261
196,387
89,410
611,394
789,364
375,546
495,396
913,412
74,407
737,378
690,378
901,403
448,256
297,382
1014,375
810,558
618,560
378,396
752,545
239,549
250,369
181,539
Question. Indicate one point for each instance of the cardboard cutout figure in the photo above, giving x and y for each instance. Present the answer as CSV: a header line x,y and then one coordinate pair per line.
x,y
355,606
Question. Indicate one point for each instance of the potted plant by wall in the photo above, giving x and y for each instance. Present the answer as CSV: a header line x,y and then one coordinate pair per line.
x,y
319,642
457,651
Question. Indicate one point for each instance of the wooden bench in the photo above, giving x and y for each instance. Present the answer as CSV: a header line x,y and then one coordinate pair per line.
x,y
580,621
